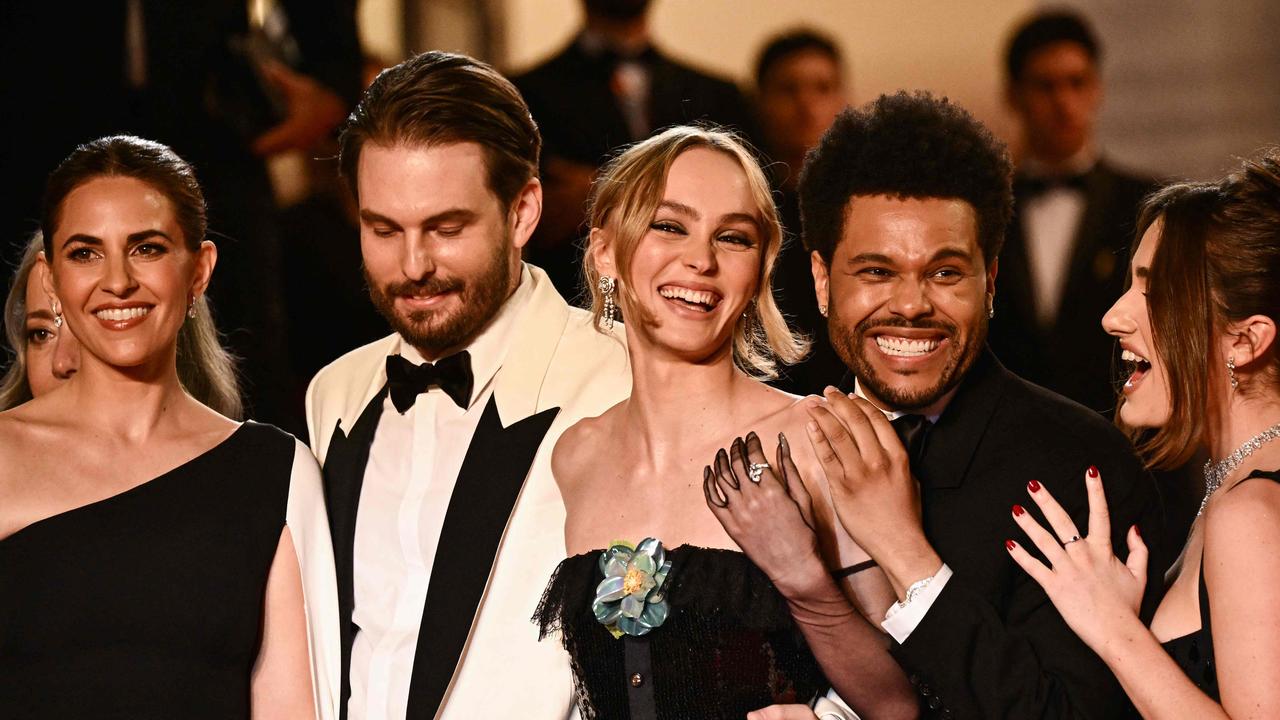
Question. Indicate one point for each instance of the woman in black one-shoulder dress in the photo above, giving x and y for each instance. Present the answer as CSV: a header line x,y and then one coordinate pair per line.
x,y
1198,330
151,548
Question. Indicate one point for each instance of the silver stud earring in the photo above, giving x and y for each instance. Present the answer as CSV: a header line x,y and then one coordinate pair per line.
x,y
822,310
991,312
607,286
1231,371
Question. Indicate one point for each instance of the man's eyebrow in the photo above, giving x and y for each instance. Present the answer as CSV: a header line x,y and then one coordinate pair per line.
x,y
870,257
370,217
951,253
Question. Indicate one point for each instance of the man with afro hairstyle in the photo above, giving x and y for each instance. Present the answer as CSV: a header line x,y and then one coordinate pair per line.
x,y
905,204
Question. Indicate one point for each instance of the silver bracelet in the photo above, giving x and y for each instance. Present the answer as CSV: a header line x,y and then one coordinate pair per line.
x,y
916,588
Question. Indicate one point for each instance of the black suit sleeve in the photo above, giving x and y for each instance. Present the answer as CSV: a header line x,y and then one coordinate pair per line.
x,y
1013,656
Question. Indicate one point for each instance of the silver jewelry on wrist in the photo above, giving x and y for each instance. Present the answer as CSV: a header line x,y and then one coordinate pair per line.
x,y
916,588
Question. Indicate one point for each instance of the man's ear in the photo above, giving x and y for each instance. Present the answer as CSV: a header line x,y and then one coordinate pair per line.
x,y
1251,339
991,278
821,281
526,211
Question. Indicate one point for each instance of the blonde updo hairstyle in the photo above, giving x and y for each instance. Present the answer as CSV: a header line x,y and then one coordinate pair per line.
x,y
625,199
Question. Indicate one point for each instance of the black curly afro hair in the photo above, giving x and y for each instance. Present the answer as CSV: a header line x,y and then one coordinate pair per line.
x,y
906,145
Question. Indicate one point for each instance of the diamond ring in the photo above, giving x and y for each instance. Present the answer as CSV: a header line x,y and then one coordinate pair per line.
x,y
755,471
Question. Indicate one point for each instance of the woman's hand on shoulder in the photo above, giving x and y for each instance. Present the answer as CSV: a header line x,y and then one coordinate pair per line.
x,y
765,509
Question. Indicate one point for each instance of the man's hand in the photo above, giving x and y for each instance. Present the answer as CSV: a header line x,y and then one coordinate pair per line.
x,y
876,498
312,111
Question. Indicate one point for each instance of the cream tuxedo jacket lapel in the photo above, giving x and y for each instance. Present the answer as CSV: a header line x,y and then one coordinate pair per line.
x,y
478,653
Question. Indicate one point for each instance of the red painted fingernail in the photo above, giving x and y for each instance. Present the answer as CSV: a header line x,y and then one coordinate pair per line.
x,y
1017,511
1034,486
1093,471
1137,531
1009,544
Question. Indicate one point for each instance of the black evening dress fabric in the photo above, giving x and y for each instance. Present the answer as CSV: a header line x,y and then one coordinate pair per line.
x,y
728,647
1194,651
149,603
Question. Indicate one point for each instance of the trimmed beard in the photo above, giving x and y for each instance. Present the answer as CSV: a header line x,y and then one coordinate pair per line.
x,y
851,349
434,332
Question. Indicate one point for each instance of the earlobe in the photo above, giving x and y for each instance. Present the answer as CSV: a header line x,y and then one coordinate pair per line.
x,y
821,288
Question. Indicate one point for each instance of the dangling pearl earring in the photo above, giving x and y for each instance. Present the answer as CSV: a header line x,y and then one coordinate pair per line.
x,y
1231,371
607,285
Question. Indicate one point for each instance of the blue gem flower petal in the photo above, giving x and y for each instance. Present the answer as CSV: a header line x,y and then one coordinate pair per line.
x,y
629,600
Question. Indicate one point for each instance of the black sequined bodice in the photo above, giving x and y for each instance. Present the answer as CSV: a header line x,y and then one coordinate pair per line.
x,y
728,647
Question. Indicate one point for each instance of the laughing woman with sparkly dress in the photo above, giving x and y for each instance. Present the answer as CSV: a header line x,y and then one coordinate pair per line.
x,y
1198,330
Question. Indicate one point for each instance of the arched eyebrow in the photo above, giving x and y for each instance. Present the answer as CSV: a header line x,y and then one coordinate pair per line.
x,y
691,212
133,238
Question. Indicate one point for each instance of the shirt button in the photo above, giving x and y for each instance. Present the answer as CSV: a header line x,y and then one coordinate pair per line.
x,y
925,690
637,680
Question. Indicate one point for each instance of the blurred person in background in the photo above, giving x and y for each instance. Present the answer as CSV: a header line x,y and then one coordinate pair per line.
x,y
225,94
800,86
45,351
610,87
1064,258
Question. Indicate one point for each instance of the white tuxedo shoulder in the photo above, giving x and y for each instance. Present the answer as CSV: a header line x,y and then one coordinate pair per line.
x,y
346,383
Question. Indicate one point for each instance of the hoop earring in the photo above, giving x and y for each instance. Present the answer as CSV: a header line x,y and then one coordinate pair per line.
x,y
1231,371
607,286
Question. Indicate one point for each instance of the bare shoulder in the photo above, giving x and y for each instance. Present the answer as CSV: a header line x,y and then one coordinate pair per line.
x,y
1242,524
577,450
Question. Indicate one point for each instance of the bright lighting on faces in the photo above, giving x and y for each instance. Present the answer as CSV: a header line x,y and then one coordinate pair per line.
x,y
52,354
1147,400
697,268
122,271
907,287
440,253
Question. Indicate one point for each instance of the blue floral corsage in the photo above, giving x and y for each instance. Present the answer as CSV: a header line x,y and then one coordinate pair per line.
x,y
630,600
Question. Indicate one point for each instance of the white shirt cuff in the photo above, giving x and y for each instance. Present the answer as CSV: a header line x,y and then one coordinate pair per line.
x,y
901,620
832,707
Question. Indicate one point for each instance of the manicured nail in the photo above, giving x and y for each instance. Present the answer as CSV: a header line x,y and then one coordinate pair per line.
x,y
752,436
1009,544
1093,471
782,440
1018,510
1137,531
1034,486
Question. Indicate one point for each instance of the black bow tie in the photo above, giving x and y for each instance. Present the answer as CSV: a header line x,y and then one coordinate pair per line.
x,y
1033,186
451,374
912,430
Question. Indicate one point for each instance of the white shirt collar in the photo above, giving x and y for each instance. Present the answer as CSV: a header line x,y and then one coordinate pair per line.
x,y
489,348
891,415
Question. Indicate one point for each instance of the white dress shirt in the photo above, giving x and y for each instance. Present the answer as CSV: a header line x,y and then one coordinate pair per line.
x,y
1050,222
414,462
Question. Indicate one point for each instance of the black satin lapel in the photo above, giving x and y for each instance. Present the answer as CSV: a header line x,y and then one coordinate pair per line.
x,y
343,474
952,442
488,486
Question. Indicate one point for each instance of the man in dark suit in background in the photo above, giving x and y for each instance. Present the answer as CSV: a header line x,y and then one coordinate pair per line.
x,y
1066,254
905,204
608,88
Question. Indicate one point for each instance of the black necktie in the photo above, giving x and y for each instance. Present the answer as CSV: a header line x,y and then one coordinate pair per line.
x,y
451,374
911,430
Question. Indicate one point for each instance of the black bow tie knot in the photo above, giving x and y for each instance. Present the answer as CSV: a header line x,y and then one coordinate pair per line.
x,y
451,374
1034,186
912,430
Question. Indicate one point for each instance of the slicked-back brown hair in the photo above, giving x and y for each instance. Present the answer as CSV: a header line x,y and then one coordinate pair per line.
x,y
440,98
1218,262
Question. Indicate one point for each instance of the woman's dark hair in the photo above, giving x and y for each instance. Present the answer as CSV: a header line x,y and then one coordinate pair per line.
x,y
1218,262
205,368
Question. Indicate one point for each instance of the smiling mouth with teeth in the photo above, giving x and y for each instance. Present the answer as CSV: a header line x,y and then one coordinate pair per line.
x,y
703,300
1135,363
121,314
905,347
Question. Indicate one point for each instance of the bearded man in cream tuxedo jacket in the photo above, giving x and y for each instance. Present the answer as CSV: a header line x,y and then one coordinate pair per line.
x,y
436,441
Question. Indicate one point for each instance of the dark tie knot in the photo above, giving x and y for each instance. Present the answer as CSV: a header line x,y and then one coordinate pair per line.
x,y
912,430
1033,186
451,374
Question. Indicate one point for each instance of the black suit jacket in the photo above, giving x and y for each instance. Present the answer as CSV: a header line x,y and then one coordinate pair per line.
x,y
1074,357
992,645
